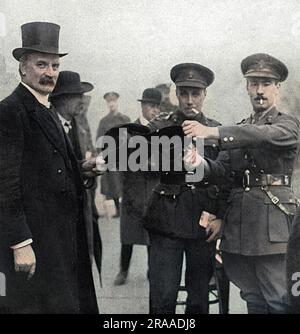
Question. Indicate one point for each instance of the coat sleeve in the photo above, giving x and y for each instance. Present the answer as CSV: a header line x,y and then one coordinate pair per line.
x,y
13,225
279,135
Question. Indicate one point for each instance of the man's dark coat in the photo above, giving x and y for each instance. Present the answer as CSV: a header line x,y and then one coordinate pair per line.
x,y
41,198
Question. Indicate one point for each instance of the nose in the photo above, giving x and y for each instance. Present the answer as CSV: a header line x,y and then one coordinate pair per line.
x,y
190,100
50,72
260,90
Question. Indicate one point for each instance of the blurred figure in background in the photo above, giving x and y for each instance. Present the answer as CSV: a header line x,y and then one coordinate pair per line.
x,y
8,81
166,106
136,190
111,182
82,120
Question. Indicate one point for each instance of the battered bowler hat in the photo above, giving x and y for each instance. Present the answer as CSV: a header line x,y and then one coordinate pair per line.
x,y
262,65
111,95
151,95
192,75
39,37
69,83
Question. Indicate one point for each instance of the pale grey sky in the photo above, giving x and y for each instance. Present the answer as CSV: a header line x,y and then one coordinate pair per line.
x,y
128,46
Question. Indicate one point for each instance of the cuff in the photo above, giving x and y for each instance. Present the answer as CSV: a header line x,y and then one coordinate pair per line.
x,y
22,244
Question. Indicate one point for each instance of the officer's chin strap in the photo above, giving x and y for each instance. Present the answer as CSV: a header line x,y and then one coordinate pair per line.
x,y
275,200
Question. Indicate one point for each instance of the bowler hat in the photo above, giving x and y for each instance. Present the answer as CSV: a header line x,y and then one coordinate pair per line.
x,y
69,83
151,95
192,75
111,95
262,65
39,37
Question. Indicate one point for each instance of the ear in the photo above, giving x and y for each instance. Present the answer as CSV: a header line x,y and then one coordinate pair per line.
x,y
247,87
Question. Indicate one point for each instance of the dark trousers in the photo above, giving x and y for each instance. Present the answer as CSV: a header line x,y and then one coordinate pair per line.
x,y
166,259
126,254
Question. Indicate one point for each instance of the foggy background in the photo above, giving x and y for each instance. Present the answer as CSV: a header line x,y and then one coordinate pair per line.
x,y
127,46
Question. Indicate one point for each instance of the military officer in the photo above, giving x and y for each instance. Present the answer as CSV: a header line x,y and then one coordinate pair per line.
x,y
175,208
258,156
111,182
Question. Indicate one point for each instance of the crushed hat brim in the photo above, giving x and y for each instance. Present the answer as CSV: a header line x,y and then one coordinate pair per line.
x,y
19,52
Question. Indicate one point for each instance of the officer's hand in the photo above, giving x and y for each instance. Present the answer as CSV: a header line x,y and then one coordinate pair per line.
x,y
25,260
196,129
214,229
192,159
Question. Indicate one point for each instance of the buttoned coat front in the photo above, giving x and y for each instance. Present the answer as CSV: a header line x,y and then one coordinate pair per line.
x,y
253,224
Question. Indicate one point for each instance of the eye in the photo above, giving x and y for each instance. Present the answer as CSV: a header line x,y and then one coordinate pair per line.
x,y
41,65
55,67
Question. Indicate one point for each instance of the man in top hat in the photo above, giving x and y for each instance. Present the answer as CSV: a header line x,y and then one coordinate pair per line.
x,y
166,105
43,253
175,208
136,190
111,182
68,100
258,156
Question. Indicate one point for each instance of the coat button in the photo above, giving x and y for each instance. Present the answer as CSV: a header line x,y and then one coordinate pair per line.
x,y
162,192
225,139
231,138
59,171
54,151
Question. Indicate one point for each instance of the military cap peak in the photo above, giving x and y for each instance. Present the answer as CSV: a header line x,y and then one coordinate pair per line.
x,y
262,65
192,75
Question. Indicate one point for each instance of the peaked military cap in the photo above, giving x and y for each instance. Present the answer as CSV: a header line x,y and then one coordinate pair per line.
x,y
151,95
39,37
192,75
262,65
111,95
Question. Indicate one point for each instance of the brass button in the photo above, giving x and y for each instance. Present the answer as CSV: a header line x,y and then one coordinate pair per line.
x,y
225,139
59,171
162,192
231,138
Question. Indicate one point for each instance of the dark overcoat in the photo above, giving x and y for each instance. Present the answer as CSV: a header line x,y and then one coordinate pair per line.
x,y
137,189
41,198
111,182
253,224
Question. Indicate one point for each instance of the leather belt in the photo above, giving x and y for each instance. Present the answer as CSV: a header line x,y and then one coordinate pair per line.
x,y
249,180
180,179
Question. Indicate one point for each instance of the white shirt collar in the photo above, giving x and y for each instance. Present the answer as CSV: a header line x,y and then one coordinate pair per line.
x,y
65,123
143,120
43,99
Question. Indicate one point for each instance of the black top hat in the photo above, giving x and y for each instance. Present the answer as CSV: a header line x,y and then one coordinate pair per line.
x,y
192,75
69,83
111,95
151,95
39,37
262,65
